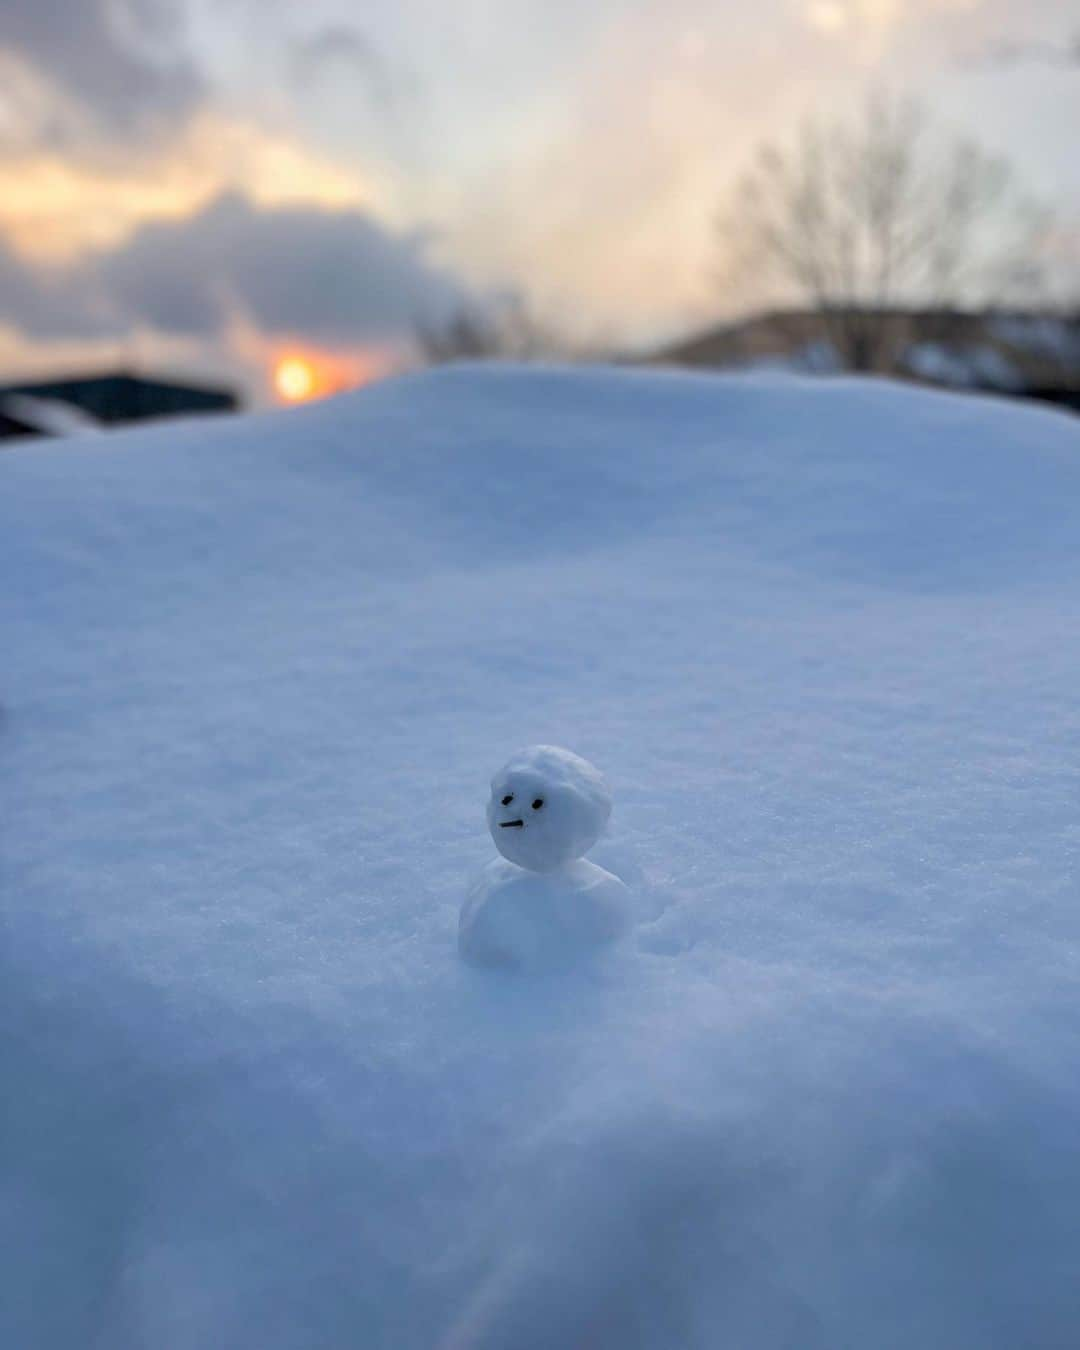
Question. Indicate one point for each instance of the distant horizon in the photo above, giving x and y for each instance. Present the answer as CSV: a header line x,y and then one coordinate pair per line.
x,y
205,377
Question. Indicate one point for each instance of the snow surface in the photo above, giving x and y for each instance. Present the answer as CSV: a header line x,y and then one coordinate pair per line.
x,y
823,639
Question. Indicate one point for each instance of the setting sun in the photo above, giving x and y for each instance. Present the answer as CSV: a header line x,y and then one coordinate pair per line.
x,y
294,379
298,375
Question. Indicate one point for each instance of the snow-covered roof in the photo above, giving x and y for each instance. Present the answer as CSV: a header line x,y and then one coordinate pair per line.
x,y
1045,336
1009,352
980,366
49,416
819,636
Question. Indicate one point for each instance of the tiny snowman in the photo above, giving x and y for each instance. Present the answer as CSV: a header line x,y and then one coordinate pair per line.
x,y
542,904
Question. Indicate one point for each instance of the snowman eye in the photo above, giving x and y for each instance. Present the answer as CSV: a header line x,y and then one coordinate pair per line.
x,y
538,803
508,799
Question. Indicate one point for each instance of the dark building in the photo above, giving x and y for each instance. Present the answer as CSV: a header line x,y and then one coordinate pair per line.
x,y
11,425
122,397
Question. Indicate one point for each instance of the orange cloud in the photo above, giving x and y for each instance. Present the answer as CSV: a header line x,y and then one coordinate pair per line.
x,y
53,209
872,21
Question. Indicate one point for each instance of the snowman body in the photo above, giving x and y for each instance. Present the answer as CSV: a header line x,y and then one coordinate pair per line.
x,y
542,905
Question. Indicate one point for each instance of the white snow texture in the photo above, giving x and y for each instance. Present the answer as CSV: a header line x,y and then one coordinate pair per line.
x,y
821,637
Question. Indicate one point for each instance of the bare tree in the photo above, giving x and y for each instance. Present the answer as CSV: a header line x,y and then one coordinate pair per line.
x,y
862,218
504,329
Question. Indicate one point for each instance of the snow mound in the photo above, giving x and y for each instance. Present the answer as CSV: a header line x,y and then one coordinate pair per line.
x,y
822,638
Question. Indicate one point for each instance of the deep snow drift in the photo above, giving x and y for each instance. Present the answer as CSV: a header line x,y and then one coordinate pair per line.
x,y
823,640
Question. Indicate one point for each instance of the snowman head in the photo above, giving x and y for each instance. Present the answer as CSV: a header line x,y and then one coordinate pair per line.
x,y
547,807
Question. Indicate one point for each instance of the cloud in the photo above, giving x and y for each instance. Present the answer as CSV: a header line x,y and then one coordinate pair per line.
x,y
603,209
54,208
121,65
52,303
871,28
339,47
830,16
334,277
1005,53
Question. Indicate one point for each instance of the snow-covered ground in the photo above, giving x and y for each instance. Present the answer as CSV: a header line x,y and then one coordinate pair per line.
x,y
822,639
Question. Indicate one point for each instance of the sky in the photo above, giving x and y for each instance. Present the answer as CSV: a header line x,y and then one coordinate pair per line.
x,y
215,187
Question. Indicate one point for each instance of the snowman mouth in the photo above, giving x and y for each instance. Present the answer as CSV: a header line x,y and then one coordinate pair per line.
x,y
511,824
